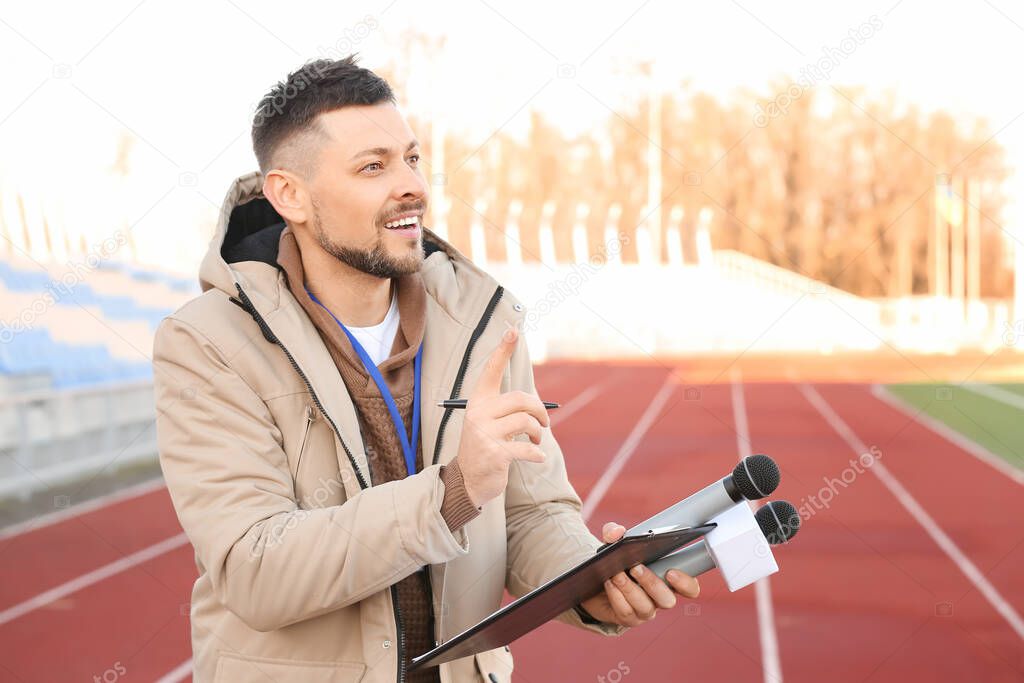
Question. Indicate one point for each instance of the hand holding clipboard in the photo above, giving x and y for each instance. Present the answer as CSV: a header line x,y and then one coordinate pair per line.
x,y
561,593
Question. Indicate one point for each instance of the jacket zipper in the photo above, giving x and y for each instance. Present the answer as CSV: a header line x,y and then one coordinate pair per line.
x,y
401,634
305,438
272,338
456,388
429,588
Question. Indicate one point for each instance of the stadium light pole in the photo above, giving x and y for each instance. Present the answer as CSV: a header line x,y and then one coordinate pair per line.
x,y
973,241
653,220
940,240
957,256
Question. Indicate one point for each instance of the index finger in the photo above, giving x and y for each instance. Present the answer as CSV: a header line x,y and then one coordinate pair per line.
x,y
490,378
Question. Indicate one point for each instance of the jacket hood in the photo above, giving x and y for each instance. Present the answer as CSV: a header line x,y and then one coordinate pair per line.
x,y
243,250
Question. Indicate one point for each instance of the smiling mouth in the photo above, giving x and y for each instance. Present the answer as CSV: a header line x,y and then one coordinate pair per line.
x,y
403,223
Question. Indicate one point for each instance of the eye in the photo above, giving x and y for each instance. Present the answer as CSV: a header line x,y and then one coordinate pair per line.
x,y
414,158
371,166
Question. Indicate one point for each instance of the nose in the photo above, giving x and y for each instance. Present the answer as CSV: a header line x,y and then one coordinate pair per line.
x,y
410,185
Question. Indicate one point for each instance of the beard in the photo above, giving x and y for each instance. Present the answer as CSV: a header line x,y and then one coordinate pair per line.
x,y
375,261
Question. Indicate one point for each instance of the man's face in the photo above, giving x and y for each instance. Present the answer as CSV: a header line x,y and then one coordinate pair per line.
x,y
366,179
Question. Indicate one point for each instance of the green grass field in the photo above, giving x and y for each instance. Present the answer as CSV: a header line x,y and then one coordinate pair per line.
x,y
990,414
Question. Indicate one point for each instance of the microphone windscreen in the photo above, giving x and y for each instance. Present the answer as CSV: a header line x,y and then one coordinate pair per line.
x,y
779,521
756,476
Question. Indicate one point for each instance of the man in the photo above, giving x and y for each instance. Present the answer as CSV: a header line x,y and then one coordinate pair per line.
x,y
342,525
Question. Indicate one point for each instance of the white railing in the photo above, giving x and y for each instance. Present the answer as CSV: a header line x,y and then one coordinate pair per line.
x,y
51,437
731,303
744,269
628,310
932,324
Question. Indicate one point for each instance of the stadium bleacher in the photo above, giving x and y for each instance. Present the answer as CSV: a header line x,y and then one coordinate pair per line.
x,y
59,332
75,374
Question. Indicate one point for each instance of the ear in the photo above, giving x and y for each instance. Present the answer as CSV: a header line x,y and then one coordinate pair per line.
x,y
288,195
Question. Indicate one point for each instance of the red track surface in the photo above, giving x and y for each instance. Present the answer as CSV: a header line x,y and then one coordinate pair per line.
x,y
864,593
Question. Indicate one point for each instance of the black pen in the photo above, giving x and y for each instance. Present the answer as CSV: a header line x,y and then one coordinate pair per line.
x,y
461,403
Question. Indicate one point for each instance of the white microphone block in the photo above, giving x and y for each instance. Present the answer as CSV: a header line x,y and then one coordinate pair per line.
x,y
739,549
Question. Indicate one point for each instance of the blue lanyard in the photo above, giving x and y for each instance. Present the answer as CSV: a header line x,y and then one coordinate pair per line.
x,y
408,446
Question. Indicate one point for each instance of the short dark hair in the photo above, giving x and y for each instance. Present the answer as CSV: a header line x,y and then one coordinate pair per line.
x,y
289,111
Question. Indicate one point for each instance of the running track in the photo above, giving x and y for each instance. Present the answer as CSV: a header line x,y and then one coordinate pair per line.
x,y
913,572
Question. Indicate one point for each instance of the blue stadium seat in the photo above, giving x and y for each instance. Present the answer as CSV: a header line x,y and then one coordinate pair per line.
x,y
34,352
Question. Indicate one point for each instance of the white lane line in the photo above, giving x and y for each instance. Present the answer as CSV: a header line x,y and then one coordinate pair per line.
x,y
771,662
739,415
996,393
179,673
908,501
577,403
52,518
628,446
95,576
948,433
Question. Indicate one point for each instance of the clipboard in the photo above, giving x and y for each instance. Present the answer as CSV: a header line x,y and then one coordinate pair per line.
x,y
561,593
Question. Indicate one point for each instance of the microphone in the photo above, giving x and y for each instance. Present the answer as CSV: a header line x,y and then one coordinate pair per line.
x,y
779,521
743,559
753,478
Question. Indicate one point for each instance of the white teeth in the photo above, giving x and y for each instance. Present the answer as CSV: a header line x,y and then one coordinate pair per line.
x,y
412,220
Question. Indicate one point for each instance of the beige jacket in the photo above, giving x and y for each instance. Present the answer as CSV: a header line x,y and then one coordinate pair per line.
x,y
260,447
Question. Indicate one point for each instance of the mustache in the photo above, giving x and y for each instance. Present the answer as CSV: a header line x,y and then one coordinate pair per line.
x,y
410,207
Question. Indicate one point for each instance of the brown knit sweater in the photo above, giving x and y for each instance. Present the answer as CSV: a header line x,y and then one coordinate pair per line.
x,y
382,445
